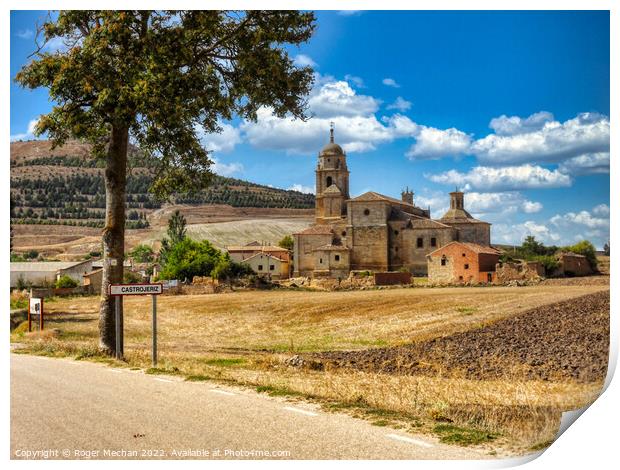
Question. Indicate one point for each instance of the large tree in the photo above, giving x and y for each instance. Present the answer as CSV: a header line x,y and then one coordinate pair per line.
x,y
151,78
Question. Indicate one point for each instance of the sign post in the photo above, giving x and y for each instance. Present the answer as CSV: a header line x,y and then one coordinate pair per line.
x,y
154,350
120,290
35,307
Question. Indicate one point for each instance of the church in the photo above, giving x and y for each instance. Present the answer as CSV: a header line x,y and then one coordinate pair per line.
x,y
374,232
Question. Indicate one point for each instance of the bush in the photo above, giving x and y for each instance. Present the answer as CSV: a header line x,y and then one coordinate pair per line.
x,y
189,258
287,242
228,269
142,254
66,281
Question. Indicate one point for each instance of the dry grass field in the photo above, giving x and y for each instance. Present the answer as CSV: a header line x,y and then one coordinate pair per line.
x,y
253,338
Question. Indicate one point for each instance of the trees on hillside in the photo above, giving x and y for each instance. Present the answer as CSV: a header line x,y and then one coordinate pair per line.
x,y
153,77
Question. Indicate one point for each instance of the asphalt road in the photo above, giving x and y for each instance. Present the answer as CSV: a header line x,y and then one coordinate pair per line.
x,y
65,409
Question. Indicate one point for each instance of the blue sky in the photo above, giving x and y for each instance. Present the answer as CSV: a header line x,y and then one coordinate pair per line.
x,y
512,107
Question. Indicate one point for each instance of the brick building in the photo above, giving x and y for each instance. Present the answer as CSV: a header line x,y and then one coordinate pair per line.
x,y
373,231
460,262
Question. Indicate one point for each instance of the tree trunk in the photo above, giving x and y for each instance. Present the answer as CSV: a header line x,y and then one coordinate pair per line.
x,y
113,237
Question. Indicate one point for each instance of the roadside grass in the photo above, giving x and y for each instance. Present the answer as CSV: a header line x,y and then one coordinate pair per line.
x,y
245,338
450,434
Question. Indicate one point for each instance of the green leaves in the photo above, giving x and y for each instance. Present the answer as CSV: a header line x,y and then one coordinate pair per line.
x,y
162,73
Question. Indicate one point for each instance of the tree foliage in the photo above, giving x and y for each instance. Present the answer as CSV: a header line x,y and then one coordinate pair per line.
x,y
287,242
176,233
189,258
142,254
161,74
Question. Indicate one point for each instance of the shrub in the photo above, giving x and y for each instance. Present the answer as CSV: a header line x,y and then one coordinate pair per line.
x,y
287,242
189,258
66,281
142,254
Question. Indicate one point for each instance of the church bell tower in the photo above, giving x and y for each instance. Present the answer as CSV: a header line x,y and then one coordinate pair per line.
x,y
332,182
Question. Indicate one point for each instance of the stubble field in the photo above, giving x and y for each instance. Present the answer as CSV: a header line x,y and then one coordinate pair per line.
x,y
279,341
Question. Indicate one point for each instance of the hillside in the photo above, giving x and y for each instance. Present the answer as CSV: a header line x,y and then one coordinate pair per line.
x,y
64,186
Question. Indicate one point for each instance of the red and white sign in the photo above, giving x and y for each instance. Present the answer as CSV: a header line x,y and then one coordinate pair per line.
x,y
136,289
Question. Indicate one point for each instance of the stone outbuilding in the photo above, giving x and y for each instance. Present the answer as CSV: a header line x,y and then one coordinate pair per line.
x,y
462,262
573,264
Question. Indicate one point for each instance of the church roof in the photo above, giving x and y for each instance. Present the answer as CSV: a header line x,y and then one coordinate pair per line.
x,y
332,148
373,196
316,230
460,216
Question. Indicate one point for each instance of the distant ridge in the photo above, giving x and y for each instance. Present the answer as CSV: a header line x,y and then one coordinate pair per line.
x,y
65,186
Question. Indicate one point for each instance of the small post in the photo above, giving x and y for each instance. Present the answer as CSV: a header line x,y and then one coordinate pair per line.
x,y
29,317
117,324
154,352
41,316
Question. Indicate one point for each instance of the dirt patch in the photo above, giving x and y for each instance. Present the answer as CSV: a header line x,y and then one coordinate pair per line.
x,y
565,340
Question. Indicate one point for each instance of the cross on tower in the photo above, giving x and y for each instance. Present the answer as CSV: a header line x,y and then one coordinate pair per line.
x,y
331,132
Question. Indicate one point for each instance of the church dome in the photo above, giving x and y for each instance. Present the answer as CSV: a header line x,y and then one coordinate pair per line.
x,y
332,148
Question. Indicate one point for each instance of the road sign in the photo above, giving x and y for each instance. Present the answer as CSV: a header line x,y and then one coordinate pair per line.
x,y
136,289
120,290
35,307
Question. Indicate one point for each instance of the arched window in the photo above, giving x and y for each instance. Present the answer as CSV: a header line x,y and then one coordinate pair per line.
x,y
329,181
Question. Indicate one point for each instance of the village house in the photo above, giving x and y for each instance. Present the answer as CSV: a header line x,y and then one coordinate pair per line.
x,y
43,273
462,262
372,231
263,259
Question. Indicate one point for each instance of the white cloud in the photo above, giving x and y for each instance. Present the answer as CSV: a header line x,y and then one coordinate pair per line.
x,y
514,125
434,143
390,82
537,139
25,33
302,60
502,204
514,234
357,81
400,104
301,188
226,169
339,99
357,127
580,218
350,12
530,207
590,163
601,209
354,133
29,134
504,178
224,141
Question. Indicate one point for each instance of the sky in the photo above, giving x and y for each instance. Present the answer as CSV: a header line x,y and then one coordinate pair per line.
x,y
511,107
